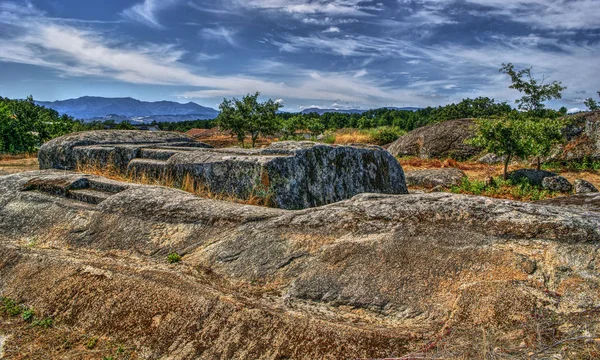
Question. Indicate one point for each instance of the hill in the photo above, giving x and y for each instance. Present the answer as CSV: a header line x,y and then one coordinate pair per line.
x,y
120,109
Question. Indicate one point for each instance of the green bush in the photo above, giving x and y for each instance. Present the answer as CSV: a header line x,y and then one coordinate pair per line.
x,y
386,134
28,314
499,188
44,323
173,258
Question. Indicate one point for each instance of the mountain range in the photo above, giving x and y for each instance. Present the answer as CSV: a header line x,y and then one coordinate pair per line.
x,y
121,109
90,108
322,111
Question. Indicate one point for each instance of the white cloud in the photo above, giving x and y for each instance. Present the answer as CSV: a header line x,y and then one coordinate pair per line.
x,y
360,73
147,12
549,14
332,29
309,7
220,33
574,110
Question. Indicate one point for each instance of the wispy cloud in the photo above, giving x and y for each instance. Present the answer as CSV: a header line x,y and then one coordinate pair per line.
x,y
147,11
220,33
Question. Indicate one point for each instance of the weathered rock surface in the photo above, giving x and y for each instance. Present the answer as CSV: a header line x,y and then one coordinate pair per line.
x,y
556,183
491,159
578,202
102,147
432,178
533,176
2,173
371,277
293,175
444,139
584,187
583,138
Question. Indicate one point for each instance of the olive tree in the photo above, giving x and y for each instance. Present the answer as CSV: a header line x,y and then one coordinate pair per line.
x,y
536,91
592,104
502,136
248,116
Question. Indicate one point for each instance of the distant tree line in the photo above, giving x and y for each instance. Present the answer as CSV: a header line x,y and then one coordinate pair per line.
x,y
25,126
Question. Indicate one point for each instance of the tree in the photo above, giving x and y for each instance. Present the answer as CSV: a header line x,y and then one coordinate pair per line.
x,y
592,104
536,92
502,136
25,126
292,124
540,135
249,116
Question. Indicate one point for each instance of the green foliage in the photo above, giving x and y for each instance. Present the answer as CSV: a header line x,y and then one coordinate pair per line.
x,y
499,188
173,258
249,116
124,125
25,126
9,307
43,323
502,136
28,314
386,134
585,164
91,343
541,134
536,92
592,104
519,135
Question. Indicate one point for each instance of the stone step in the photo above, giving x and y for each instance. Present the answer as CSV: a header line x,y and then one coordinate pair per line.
x,y
157,154
89,196
150,167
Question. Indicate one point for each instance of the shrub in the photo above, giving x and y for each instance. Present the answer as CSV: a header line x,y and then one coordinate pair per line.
x,y
44,323
505,189
28,314
173,258
10,307
386,135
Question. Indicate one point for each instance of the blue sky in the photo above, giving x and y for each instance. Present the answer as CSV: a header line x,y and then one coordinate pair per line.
x,y
336,53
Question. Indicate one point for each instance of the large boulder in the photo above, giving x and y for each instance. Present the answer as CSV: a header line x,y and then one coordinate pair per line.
x,y
584,187
532,176
432,178
491,159
375,276
289,175
557,183
444,139
102,147
583,138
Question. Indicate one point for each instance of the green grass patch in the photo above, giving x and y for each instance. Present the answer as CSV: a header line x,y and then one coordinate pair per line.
x,y
504,189
585,164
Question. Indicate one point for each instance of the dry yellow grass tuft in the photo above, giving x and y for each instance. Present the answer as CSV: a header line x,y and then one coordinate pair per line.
x,y
259,195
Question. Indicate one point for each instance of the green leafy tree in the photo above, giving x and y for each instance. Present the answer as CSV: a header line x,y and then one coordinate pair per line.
x,y
315,126
249,116
592,104
540,135
290,125
25,126
502,136
536,92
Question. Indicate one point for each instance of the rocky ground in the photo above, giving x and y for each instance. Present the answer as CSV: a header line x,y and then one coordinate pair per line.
x,y
422,275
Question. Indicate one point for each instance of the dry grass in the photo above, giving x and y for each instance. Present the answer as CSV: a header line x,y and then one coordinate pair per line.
x,y
12,157
259,196
352,136
223,139
18,163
